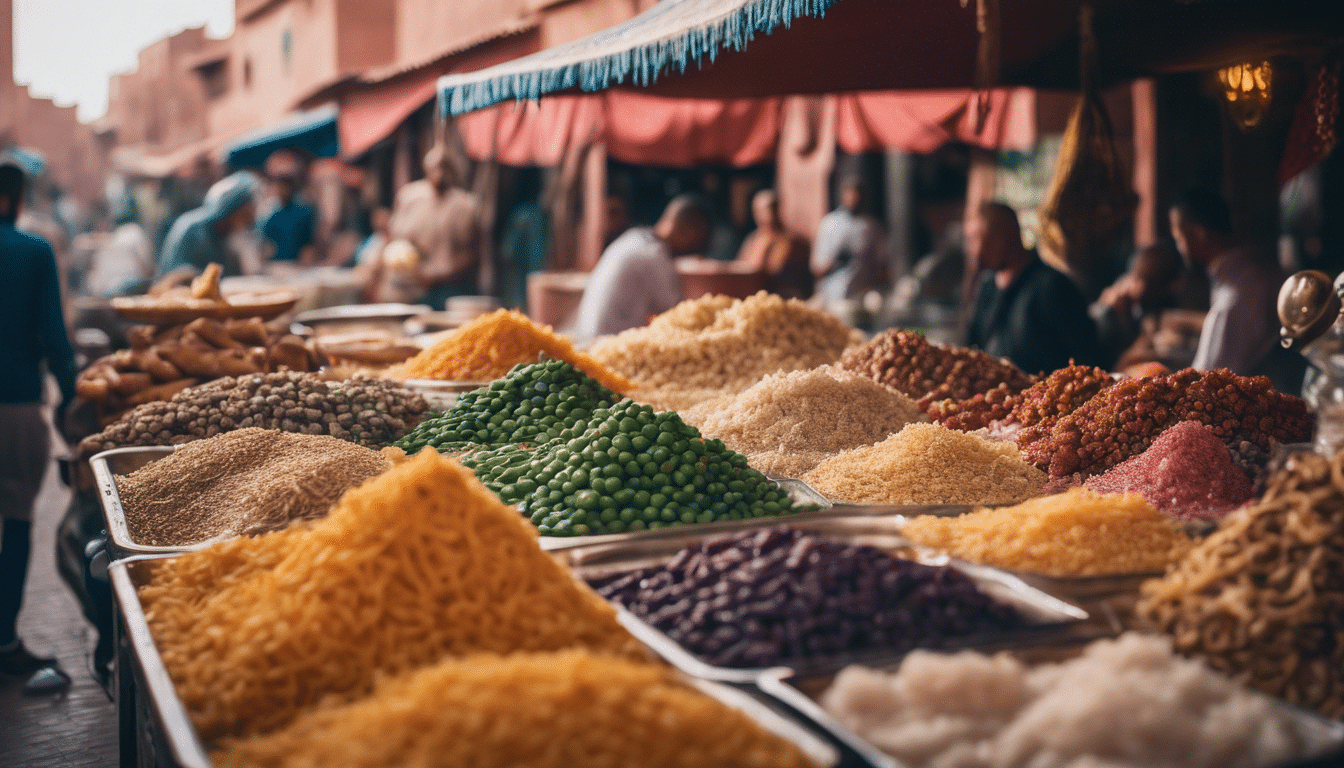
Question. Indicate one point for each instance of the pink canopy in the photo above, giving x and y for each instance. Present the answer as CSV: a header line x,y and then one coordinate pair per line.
x,y
652,130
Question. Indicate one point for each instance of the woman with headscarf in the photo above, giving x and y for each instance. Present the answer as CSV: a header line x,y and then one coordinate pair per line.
x,y
201,237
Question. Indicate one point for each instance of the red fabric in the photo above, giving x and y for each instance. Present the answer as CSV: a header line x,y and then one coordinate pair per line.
x,y
923,121
531,133
368,117
1305,147
649,130
652,130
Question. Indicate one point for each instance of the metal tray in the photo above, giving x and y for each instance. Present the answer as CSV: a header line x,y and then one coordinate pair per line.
x,y
121,461
354,312
187,750
801,693
1049,616
441,395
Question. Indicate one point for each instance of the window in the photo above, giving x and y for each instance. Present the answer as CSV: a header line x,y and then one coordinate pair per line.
x,y
215,77
247,73
287,48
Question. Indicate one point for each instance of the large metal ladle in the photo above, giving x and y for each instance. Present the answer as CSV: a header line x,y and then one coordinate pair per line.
x,y
1308,305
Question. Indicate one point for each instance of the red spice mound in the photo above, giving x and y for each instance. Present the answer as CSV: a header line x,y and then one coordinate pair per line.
x,y
1187,473
1123,420
1043,403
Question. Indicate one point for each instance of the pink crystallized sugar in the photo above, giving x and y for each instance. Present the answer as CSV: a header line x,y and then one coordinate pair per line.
x,y
1187,473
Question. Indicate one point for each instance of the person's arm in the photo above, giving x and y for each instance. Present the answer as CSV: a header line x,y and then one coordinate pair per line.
x,y
308,250
826,249
56,349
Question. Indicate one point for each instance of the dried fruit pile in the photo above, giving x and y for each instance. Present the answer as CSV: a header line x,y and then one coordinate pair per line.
x,y
1122,420
1043,403
928,372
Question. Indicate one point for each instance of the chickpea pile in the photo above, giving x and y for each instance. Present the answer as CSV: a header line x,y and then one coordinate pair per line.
x,y
928,372
1043,403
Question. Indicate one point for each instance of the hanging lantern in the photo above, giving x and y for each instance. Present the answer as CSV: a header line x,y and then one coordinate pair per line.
x,y
1247,89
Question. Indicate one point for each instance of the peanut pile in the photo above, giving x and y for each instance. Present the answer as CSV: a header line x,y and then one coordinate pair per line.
x,y
927,372
370,412
1123,420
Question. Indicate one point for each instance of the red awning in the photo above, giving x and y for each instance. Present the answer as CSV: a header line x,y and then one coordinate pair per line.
x,y
653,130
367,117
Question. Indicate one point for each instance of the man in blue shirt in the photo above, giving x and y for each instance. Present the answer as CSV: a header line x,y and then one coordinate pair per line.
x,y
34,335
289,227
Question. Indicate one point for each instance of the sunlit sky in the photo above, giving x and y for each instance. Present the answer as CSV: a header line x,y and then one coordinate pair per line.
x,y
67,49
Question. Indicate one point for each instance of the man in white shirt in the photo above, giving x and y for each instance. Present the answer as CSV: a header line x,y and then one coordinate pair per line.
x,y
849,257
1241,330
636,279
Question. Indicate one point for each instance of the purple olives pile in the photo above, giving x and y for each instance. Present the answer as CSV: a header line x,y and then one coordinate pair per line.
x,y
780,595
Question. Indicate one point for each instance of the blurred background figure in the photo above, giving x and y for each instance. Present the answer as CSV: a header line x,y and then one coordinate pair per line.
x,y
615,218
1241,330
441,222
1025,310
849,254
771,249
124,262
636,279
289,225
34,343
203,236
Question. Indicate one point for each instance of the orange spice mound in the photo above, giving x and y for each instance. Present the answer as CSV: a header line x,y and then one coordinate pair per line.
x,y
491,345
419,564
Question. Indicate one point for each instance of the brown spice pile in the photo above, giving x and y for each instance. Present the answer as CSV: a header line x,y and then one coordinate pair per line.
x,y
928,372
490,346
241,483
928,464
788,423
1058,394
1123,420
714,345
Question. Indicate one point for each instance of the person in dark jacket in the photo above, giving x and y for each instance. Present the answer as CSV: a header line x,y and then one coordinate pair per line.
x,y
1025,310
34,342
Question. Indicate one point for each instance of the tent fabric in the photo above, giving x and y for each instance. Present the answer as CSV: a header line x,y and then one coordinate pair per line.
x,y
652,130
368,117
673,33
698,48
313,130
923,121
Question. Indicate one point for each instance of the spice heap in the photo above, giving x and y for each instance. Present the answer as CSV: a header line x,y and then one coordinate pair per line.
x,y
419,564
1125,703
1077,533
1043,403
491,345
774,596
927,372
164,360
714,345
1187,473
788,423
1123,420
370,412
551,441
241,483
542,710
1262,598
928,464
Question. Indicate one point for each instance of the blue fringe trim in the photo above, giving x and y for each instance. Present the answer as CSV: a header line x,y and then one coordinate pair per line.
x,y
640,65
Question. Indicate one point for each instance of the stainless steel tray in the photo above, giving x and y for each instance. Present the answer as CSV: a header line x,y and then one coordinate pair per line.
x,y
1049,616
801,693
189,752
439,394
171,717
121,461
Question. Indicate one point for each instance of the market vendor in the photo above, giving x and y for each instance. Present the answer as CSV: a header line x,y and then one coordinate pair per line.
x,y
1025,310
34,343
849,255
442,222
1241,330
289,227
201,237
635,279
772,249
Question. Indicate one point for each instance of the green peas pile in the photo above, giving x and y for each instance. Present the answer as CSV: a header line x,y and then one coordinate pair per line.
x,y
632,469
535,403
